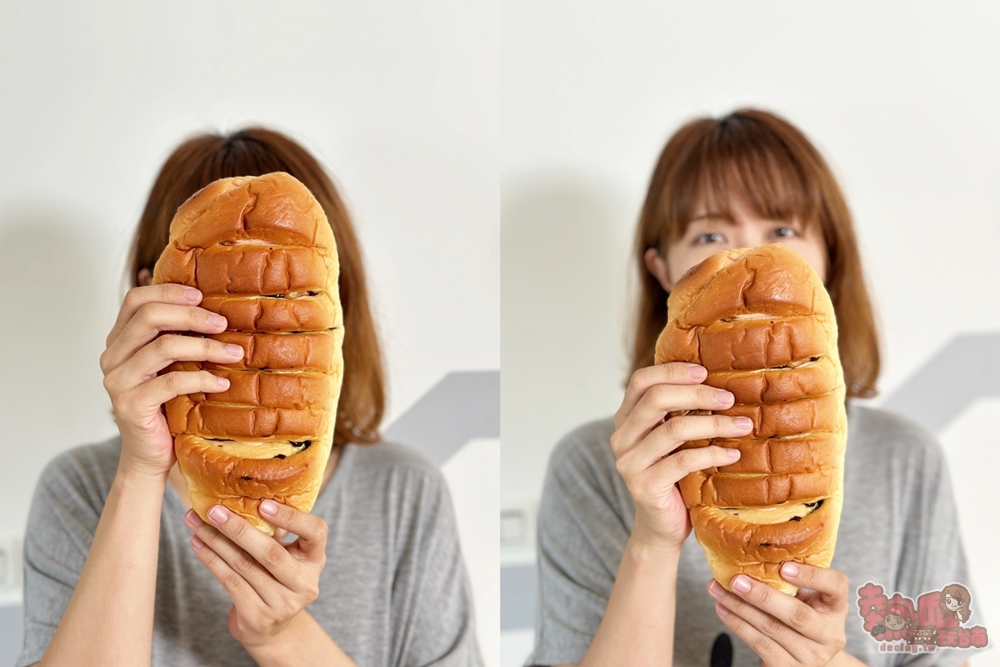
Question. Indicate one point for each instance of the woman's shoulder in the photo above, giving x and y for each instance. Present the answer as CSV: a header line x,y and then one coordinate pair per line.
x,y
76,483
582,466
890,433
391,459
588,443
89,467
895,445
401,472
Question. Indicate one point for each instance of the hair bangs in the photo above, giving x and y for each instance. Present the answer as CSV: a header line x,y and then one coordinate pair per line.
x,y
737,162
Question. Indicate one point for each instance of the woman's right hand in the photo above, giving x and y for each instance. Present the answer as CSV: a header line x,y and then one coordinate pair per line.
x,y
138,347
645,440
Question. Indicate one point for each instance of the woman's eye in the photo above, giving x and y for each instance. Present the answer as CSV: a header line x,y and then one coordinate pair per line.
x,y
784,232
711,237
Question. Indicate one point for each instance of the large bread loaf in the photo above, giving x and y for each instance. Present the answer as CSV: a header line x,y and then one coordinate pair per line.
x,y
263,254
762,323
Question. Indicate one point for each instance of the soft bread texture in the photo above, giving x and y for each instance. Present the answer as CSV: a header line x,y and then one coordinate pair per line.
x,y
262,252
761,322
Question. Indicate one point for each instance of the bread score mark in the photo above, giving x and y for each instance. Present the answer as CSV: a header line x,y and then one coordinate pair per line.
x,y
775,513
275,448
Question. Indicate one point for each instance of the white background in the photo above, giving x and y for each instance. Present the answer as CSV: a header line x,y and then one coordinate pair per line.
x,y
902,98
398,100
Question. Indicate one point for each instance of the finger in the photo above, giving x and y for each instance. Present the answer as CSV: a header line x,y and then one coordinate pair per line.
x,y
141,399
674,432
644,378
151,319
162,293
268,588
244,596
832,585
166,350
311,529
265,550
675,467
788,620
652,408
653,484
769,649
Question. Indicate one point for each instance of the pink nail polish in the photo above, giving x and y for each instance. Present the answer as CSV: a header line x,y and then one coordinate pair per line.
x,y
698,372
741,584
790,570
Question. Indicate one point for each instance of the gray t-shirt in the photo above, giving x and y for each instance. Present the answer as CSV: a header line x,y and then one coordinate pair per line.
x,y
898,529
394,590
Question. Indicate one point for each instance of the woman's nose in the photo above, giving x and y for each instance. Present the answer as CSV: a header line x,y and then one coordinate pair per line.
x,y
745,238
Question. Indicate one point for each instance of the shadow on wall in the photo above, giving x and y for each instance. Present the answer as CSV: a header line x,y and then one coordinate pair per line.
x,y
563,281
52,338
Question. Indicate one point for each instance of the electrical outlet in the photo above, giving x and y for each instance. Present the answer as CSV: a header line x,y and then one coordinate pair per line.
x,y
517,523
8,563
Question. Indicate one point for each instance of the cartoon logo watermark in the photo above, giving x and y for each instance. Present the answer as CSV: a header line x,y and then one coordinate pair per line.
x,y
934,622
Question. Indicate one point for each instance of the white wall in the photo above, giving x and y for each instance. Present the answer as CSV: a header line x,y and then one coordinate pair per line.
x,y
902,99
397,99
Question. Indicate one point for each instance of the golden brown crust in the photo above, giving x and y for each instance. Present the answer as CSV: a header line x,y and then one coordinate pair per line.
x,y
763,325
262,252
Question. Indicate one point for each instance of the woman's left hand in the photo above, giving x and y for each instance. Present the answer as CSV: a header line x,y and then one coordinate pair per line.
x,y
806,630
269,583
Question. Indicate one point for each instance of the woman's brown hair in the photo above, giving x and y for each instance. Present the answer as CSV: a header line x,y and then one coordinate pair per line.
x,y
960,593
254,152
761,160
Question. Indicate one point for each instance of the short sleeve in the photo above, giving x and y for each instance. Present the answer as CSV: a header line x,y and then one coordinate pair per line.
x,y
933,554
65,510
582,530
431,597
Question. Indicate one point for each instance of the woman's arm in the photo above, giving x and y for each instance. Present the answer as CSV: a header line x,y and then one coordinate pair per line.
x,y
638,626
637,623
109,620
305,644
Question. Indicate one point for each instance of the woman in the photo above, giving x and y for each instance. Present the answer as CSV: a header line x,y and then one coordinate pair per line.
x,y
954,602
622,580
120,570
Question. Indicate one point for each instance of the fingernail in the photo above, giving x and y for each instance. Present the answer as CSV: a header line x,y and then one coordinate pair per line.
x,y
268,506
234,350
698,372
724,397
716,589
721,611
741,584
743,423
196,542
192,518
790,570
192,295
223,382
218,515
216,320
733,453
